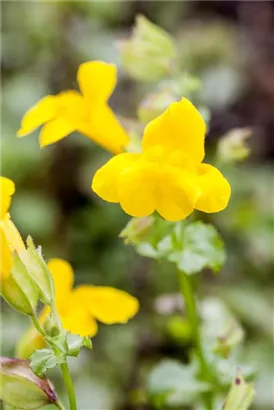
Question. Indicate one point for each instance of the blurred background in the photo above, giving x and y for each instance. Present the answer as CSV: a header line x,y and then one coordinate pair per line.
x,y
229,46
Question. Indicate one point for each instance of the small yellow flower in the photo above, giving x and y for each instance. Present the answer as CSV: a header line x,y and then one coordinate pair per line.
x,y
79,308
87,112
9,235
168,175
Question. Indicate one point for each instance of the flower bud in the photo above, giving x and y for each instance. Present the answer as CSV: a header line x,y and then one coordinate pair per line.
x,y
149,54
18,289
137,229
230,339
21,388
38,270
232,147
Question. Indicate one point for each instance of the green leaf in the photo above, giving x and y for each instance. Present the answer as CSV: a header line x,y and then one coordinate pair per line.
x,y
173,383
60,343
201,247
77,343
241,394
192,247
44,359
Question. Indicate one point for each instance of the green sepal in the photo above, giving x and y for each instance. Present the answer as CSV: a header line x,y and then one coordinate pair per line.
x,y
38,270
18,289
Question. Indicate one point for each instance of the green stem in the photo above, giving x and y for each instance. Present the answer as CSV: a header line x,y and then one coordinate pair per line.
x,y
38,326
69,385
64,370
191,311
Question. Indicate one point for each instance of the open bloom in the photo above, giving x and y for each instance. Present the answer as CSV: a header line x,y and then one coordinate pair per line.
x,y
86,112
168,175
9,235
79,308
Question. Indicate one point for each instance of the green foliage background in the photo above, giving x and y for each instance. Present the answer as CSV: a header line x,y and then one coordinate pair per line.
x,y
43,44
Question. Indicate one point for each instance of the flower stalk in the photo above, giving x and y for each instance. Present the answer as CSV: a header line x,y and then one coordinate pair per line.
x,y
193,318
69,385
63,367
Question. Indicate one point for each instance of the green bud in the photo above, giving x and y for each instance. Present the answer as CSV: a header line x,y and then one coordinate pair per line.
x,y
137,229
18,289
219,327
187,85
169,91
21,388
38,270
156,103
241,394
232,147
179,329
149,54
226,342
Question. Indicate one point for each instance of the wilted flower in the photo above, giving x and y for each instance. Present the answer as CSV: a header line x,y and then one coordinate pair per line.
x,y
21,387
87,112
168,175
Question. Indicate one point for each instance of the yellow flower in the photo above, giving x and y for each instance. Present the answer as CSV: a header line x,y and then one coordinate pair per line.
x,y
79,308
86,112
9,235
167,176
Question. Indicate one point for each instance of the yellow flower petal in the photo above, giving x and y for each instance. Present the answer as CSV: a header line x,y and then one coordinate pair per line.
x,y
177,194
71,105
97,80
7,190
136,188
42,112
106,304
71,112
215,189
79,321
105,179
63,278
180,127
6,256
105,129
55,130
12,235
